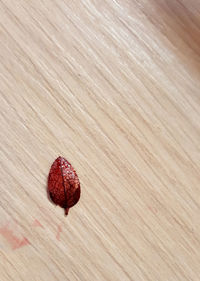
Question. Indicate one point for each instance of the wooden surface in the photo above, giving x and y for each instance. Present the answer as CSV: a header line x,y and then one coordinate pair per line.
x,y
114,87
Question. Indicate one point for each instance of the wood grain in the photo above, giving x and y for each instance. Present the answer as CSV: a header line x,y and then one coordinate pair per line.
x,y
114,87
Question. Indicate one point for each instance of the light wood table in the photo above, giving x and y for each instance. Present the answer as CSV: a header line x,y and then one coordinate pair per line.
x,y
114,87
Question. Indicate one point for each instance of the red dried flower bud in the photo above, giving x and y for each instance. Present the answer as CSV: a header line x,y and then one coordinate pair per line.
x,y
63,184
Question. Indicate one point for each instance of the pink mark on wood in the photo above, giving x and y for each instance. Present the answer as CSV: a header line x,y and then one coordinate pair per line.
x,y
20,243
59,230
153,210
36,223
12,239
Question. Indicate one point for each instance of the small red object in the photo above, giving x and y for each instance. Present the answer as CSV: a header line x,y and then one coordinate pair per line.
x,y
63,184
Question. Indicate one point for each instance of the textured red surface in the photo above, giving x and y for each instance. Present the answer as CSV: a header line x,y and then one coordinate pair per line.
x,y
63,184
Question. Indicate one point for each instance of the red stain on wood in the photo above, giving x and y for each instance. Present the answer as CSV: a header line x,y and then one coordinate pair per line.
x,y
12,239
36,223
58,232
63,184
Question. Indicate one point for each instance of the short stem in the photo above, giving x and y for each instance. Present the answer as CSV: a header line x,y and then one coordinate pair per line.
x,y
66,211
